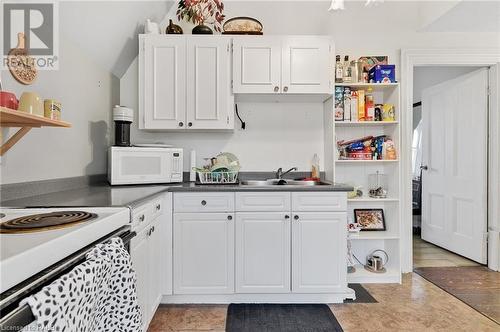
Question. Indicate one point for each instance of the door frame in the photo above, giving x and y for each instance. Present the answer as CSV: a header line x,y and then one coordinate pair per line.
x,y
411,58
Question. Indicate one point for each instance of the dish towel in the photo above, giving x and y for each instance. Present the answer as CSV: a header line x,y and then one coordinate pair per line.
x,y
97,295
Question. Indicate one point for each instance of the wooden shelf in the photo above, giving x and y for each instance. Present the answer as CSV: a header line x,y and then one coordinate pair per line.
x,y
26,121
371,200
392,275
375,86
382,235
365,123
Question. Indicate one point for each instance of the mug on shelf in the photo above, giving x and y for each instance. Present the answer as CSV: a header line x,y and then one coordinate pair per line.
x,y
52,109
30,102
9,100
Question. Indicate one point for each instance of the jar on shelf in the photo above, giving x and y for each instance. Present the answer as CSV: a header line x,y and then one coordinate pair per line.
x,y
377,185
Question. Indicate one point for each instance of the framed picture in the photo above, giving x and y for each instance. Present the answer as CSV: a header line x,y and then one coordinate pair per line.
x,y
370,219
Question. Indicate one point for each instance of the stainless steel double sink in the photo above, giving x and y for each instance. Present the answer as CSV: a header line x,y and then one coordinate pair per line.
x,y
282,182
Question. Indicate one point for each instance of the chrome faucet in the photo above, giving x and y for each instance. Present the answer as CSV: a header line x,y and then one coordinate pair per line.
x,y
280,174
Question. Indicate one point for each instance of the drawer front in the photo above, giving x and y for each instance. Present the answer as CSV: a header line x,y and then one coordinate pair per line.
x,y
263,201
157,207
319,201
141,216
203,202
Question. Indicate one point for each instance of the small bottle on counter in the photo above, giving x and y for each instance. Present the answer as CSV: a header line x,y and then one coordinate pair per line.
x,y
315,172
339,70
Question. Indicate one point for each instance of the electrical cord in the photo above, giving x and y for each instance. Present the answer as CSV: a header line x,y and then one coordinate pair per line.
x,y
243,124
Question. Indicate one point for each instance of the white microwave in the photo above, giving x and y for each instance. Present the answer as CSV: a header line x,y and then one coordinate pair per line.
x,y
142,165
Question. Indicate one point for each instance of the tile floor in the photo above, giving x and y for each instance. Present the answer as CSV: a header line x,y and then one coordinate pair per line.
x,y
425,254
414,305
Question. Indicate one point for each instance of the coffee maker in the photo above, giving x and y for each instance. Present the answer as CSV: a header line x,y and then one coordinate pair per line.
x,y
123,117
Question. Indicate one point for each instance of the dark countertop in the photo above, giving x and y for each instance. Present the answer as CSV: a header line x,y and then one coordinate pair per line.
x,y
104,195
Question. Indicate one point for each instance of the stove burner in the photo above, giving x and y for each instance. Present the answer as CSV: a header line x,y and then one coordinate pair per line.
x,y
45,221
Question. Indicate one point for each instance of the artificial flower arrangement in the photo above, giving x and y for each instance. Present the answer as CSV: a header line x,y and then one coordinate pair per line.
x,y
202,11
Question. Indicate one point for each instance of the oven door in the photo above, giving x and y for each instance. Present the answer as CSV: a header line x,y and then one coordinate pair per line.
x,y
140,165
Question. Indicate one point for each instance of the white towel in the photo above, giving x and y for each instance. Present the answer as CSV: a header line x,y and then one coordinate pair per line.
x,y
98,295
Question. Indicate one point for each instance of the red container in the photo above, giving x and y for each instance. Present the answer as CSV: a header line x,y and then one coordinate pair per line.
x,y
9,100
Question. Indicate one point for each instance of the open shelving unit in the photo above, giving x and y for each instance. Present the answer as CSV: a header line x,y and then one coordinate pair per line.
x,y
26,121
355,172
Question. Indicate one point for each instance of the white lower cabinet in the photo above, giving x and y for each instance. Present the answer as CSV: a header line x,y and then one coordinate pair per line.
x,y
319,241
203,253
139,255
263,252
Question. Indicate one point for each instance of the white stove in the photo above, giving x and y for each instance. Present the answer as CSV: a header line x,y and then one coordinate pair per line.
x,y
25,252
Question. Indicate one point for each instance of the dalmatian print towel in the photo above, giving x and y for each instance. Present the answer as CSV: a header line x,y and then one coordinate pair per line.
x,y
98,295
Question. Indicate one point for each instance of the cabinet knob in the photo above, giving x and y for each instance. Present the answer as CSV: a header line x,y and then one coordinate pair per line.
x,y
181,124
190,124
296,217
285,89
276,88
229,217
287,216
158,207
203,202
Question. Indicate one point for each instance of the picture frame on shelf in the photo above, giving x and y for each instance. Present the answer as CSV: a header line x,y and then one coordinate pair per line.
x,y
370,219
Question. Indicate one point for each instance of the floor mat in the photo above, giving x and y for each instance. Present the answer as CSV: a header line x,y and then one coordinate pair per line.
x,y
362,295
476,286
248,317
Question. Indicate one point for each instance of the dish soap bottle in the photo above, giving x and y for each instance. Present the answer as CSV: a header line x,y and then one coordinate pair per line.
x,y
315,167
369,105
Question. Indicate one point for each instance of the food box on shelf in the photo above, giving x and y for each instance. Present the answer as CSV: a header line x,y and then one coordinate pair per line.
x,y
383,74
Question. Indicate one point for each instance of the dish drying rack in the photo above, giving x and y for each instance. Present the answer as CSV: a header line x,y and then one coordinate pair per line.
x,y
209,177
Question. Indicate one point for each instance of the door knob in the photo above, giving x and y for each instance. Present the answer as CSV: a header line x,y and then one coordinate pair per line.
x,y
276,89
424,167
285,89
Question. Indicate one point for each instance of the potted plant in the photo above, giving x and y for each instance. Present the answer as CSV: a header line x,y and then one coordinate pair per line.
x,y
200,12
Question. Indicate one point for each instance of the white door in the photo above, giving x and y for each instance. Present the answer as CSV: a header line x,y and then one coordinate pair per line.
x,y
454,176
139,255
203,253
256,64
319,248
164,82
210,102
262,252
307,66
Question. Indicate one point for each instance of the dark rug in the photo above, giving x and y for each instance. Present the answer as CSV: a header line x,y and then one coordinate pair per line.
x,y
476,286
249,317
362,295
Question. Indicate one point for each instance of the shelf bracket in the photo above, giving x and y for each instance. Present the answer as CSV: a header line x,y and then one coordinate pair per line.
x,y
13,140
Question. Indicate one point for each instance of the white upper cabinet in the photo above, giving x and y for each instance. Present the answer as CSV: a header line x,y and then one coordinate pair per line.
x,y
209,99
162,83
257,64
185,82
306,66
283,64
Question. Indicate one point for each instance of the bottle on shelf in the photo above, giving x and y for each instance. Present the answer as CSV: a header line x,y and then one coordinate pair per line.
x,y
339,70
369,105
347,70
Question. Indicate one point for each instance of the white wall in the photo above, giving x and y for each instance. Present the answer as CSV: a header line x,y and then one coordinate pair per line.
x,y
424,77
86,93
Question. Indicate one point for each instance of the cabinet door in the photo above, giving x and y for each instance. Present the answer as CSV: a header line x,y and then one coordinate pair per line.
x,y
203,253
319,249
139,254
263,252
156,257
210,103
307,65
256,64
164,80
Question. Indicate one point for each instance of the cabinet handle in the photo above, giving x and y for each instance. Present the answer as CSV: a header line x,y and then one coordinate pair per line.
x,y
296,217
203,202
287,216
276,88
158,207
181,124
285,89
152,229
190,124
141,218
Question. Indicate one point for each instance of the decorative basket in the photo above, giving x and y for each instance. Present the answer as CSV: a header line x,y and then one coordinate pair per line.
x,y
217,177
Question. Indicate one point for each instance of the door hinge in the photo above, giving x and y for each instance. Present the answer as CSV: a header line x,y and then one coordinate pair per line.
x,y
228,47
488,91
231,84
